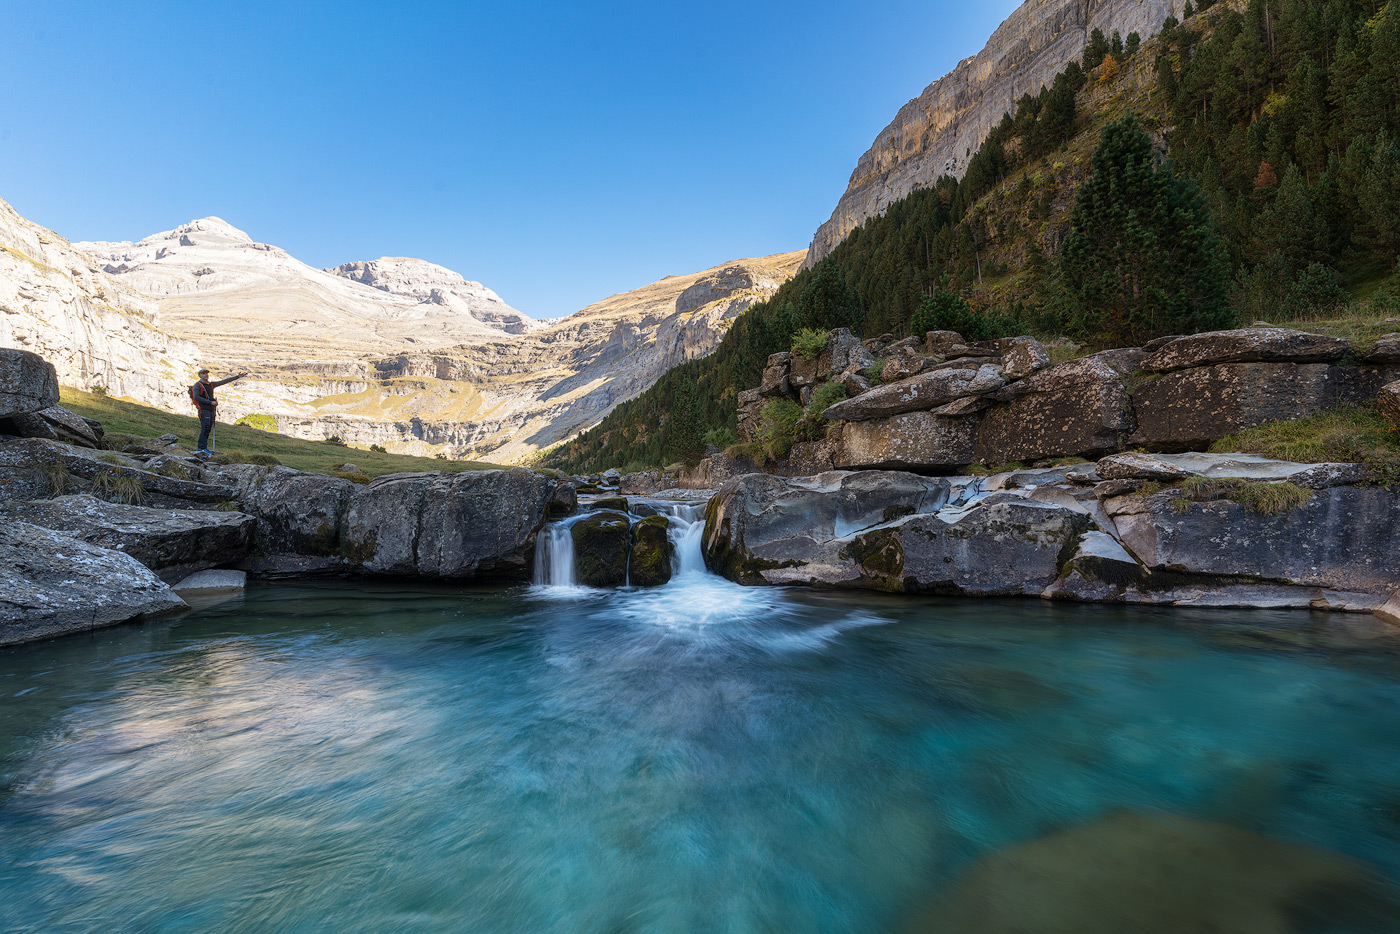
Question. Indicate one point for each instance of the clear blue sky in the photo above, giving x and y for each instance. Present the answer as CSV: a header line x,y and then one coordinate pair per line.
x,y
556,152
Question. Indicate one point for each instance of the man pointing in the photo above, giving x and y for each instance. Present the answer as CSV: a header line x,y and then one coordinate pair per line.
x,y
202,393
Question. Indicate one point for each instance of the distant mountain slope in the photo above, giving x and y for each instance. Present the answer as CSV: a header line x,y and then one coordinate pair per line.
x,y
428,283
937,132
57,301
251,303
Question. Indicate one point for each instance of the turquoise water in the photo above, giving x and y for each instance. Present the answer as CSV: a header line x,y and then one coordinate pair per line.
x,y
698,758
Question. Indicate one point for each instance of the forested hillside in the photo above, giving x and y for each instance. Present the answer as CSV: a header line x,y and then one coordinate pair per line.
x,y
1280,196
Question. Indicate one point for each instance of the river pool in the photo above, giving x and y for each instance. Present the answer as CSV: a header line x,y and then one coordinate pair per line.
x,y
696,758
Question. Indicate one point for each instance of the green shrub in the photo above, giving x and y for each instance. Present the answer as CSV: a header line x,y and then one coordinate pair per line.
x,y
259,421
750,451
777,427
378,449
875,372
97,389
824,397
335,439
808,343
720,437
945,310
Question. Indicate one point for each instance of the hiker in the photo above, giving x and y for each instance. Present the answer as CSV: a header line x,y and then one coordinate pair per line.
x,y
202,394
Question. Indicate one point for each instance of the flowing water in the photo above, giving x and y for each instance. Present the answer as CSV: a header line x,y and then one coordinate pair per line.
x,y
698,757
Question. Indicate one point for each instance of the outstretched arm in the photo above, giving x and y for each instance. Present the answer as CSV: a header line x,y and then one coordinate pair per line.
x,y
229,380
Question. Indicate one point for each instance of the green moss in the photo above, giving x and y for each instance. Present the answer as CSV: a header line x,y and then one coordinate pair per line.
x,y
354,476
894,512
616,503
360,551
880,555
601,544
650,563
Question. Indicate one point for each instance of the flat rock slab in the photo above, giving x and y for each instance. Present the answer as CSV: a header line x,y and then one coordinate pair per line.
x,y
1169,468
1245,345
918,441
56,423
28,382
1386,349
172,542
204,583
52,584
28,455
925,391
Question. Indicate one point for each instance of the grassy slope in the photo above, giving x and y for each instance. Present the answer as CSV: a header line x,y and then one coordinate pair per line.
x,y
129,418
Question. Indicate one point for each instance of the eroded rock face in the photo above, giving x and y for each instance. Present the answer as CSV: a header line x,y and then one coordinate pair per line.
x,y
917,441
1388,401
925,391
172,542
601,543
447,525
52,584
28,383
1189,409
56,423
1245,345
1079,408
298,514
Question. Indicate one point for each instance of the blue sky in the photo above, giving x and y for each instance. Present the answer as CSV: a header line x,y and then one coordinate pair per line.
x,y
558,153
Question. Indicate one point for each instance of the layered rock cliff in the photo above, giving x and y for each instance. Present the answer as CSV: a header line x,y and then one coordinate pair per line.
x,y
936,133
58,302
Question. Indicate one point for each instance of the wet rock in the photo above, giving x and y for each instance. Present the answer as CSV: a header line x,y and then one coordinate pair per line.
x,y
1192,408
601,543
210,583
1388,401
615,503
28,383
650,564
52,584
447,525
919,441
1151,875
1390,610
926,391
1245,345
1344,538
172,542
56,423
1076,409
1024,356
1386,349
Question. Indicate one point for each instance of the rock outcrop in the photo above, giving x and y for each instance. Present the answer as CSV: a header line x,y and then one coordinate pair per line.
x,y
936,133
602,542
1259,533
53,584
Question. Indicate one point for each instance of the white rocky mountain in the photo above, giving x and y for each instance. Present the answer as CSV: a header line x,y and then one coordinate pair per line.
x,y
937,132
97,330
217,286
396,351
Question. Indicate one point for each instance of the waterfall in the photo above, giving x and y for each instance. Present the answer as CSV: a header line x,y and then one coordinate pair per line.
x,y
687,528
554,557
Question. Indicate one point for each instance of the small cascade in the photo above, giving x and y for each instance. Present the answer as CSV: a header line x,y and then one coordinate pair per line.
x,y
687,528
554,557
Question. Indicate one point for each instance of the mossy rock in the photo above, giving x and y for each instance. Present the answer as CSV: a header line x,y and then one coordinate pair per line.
x,y
601,543
651,552
618,503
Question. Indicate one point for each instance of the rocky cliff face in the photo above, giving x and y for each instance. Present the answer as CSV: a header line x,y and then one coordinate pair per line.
x,y
429,284
937,132
58,302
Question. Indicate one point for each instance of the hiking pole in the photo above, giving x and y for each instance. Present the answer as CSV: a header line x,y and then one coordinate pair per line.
x,y
214,436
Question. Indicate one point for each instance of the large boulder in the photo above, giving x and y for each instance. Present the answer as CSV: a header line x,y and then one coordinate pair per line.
x,y
28,383
1344,538
1246,345
761,529
172,542
52,584
447,525
1023,356
601,544
299,516
650,563
1191,408
918,441
1079,408
1388,401
922,392
56,423
1386,349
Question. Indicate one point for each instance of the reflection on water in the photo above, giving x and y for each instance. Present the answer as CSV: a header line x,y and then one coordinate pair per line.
x,y
698,757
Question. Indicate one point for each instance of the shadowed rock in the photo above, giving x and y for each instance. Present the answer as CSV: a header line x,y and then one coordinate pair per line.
x,y
56,423
1246,345
925,391
650,564
601,543
28,382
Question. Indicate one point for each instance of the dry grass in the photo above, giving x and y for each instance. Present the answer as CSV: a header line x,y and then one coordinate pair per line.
x,y
1264,497
118,488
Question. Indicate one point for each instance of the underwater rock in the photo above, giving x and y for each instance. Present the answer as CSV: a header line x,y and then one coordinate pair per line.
x,y
1129,872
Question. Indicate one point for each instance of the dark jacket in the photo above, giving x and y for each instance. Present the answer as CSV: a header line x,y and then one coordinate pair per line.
x,y
203,393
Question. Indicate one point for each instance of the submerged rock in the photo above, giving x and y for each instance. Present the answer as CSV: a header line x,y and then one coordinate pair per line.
x,y
1168,875
51,584
601,543
650,564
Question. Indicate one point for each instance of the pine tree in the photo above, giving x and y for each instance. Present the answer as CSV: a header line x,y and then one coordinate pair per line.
x,y
1290,226
1142,258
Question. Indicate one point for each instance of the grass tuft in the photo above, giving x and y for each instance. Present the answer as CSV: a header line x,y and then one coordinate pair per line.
x,y
118,488
1264,497
59,477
